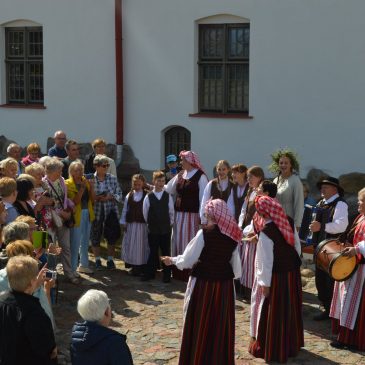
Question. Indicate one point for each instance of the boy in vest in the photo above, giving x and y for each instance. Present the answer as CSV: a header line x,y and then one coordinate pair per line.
x,y
158,212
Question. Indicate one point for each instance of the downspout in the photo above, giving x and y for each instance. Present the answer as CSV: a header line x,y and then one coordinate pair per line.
x,y
119,81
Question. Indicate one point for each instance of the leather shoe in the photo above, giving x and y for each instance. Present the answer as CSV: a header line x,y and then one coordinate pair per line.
x,y
321,316
337,345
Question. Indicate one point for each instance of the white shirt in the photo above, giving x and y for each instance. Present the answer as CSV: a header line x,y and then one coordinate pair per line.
x,y
192,253
203,181
146,205
137,196
265,257
340,219
244,206
207,194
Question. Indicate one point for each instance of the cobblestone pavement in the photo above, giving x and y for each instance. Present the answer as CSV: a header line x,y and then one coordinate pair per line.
x,y
150,314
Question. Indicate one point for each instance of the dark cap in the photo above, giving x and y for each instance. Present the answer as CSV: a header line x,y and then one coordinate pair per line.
x,y
329,180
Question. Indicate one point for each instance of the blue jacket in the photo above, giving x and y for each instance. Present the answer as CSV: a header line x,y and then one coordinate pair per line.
x,y
92,343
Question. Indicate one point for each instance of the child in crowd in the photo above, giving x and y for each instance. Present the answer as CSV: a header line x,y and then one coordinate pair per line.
x,y
217,188
135,241
33,150
158,212
8,194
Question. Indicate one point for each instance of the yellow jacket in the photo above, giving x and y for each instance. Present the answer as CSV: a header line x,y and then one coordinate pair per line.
x,y
71,193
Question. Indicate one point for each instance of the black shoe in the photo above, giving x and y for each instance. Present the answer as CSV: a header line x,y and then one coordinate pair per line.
x,y
337,345
321,316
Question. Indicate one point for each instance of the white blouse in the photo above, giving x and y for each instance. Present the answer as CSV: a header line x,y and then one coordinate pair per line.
x,y
265,257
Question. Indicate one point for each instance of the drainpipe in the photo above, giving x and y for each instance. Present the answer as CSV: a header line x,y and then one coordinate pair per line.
x,y
119,81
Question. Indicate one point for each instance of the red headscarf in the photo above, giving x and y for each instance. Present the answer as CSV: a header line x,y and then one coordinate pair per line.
x,y
192,158
271,207
218,210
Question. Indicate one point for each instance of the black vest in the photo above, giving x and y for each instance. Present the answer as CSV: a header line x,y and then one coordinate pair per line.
x,y
216,193
331,207
214,260
158,219
187,199
238,202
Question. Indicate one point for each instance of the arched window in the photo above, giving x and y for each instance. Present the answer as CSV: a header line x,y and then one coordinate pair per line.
x,y
176,140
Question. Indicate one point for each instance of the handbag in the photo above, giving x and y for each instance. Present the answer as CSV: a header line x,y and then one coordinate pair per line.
x,y
112,229
70,222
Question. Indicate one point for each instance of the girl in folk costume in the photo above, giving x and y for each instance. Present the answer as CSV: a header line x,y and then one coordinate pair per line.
x,y
255,175
276,324
135,249
209,314
239,189
348,302
218,188
188,186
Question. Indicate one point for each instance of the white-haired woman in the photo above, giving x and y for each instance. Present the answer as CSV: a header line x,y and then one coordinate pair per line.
x,y
81,192
107,195
63,207
92,342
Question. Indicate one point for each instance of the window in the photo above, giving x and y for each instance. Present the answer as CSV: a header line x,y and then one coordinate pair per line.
x,y
176,140
24,65
223,68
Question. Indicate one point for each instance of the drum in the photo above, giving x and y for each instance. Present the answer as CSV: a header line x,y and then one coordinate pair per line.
x,y
328,257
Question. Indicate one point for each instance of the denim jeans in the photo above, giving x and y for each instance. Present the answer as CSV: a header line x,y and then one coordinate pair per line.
x,y
80,241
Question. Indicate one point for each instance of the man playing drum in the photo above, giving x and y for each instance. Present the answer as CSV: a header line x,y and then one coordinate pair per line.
x,y
332,199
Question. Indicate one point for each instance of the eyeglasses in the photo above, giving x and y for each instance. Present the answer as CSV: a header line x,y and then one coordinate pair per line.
x,y
105,166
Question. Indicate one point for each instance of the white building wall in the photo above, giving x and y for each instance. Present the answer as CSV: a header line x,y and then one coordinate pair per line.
x,y
79,71
306,81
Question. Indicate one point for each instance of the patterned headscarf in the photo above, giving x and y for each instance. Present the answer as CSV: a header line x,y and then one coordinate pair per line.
x,y
271,207
218,210
192,158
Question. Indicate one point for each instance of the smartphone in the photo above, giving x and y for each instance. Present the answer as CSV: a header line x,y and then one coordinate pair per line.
x,y
89,176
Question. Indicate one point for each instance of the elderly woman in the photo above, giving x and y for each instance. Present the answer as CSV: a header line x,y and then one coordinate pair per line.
x,y
81,192
33,150
108,194
92,342
9,167
63,208
209,328
188,185
276,324
348,302
290,189
99,148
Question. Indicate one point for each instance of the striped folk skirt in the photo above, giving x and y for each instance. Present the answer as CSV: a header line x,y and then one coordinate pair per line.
x,y
354,338
248,255
280,323
135,248
185,227
209,329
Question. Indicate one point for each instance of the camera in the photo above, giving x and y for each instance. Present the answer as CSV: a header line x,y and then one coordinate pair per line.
x,y
50,274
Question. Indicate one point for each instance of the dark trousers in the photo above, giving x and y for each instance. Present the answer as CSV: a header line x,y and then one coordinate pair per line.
x,y
324,284
156,242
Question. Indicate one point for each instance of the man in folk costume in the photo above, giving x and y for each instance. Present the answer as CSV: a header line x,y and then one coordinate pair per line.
x,y
332,200
276,324
188,186
348,303
209,314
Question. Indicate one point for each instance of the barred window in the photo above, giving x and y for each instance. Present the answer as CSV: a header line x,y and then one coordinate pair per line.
x,y
24,65
176,140
223,68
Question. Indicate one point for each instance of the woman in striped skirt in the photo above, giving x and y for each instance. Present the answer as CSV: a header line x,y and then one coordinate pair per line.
x,y
209,313
188,186
135,249
255,175
276,324
348,302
